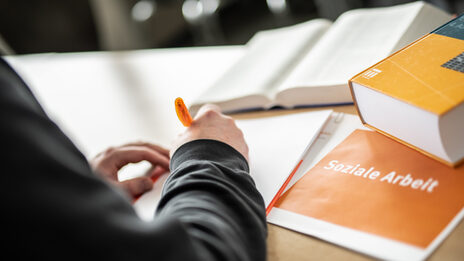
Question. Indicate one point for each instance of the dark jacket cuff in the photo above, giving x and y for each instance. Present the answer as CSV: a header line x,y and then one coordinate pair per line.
x,y
211,150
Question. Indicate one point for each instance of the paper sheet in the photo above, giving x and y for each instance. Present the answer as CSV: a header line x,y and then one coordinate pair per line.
x,y
276,144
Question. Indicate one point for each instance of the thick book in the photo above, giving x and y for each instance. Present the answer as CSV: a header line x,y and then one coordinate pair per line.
x,y
309,64
416,95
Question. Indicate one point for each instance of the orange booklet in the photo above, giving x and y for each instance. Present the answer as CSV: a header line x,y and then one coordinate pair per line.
x,y
376,187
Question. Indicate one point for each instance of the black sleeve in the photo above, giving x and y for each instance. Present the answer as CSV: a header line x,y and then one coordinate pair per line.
x,y
54,207
211,192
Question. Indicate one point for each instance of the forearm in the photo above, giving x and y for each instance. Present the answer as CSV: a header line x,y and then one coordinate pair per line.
x,y
212,194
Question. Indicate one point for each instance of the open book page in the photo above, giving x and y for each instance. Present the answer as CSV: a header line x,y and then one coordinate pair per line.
x,y
270,54
357,40
427,20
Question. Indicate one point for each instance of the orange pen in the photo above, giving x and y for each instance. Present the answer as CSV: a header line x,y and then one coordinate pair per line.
x,y
182,112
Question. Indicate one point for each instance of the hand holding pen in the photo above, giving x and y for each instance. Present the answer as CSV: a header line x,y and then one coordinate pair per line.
x,y
209,123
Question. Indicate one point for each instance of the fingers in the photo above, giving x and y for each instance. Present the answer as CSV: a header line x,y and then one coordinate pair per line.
x,y
137,186
133,154
112,160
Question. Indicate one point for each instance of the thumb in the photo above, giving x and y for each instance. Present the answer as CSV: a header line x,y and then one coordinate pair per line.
x,y
137,186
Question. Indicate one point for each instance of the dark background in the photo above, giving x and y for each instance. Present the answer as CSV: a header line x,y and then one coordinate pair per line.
x,y
93,25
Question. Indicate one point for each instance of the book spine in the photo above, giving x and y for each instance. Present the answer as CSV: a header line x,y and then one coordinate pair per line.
x,y
353,97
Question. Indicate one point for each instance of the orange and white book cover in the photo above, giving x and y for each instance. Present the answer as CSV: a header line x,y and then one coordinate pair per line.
x,y
416,95
428,74
376,196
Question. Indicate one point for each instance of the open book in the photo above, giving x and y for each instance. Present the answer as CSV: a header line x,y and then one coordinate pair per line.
x,y
310,63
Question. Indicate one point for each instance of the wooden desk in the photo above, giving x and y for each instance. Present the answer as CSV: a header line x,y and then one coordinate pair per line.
x,y
91,94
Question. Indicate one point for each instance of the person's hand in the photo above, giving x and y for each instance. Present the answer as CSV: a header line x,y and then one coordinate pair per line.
x,y
210,123
109,162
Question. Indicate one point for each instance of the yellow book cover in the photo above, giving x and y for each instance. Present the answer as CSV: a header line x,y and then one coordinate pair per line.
x,y
416,95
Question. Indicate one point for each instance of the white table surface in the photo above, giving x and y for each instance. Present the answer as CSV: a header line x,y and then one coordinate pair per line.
x,y
103,99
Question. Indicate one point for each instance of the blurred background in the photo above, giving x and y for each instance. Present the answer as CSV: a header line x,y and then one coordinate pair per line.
x,y
96,25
